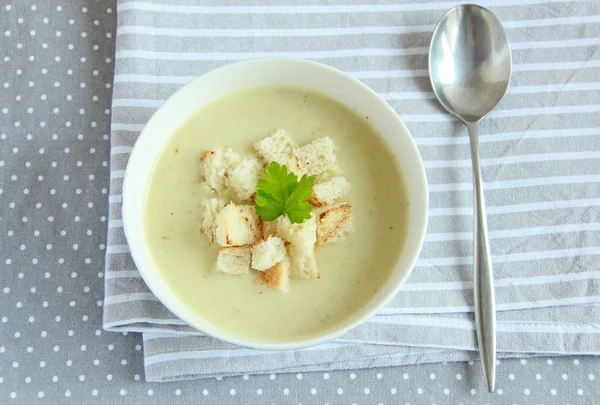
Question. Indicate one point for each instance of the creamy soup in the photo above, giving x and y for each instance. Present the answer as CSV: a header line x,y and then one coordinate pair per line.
x,y
352,271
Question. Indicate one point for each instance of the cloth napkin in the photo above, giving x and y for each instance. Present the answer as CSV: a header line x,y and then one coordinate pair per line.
x,y
540,160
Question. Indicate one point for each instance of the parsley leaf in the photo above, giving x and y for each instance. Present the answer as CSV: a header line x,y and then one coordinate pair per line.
x,y
281,193
298,208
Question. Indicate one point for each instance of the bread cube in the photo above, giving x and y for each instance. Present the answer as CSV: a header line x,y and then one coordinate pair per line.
x,y
267,253
268,228
302,235
212,207
215,166
237,225
277,147
234,260
334,223
328,192
300,240
244,176
277,276
293,166
318,158
303,262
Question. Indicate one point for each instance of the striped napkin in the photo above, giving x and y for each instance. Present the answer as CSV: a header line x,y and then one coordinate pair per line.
x,y
540,160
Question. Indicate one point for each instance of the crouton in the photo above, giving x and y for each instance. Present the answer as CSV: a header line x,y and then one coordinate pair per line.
x,y
277,276
244,176
267,253
302,238
302,235
268,228
303,262
212,207
234,260
318,158
293,166
327,192
334,223
237,225
215,166
277,147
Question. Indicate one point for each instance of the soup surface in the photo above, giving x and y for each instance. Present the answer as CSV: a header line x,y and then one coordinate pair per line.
x,y
352,271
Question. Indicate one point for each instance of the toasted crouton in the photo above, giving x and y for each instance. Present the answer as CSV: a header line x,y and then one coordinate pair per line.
x,y
327,192
212,207
334,223
268,228
293,166
277,276
267,253
234,260
277,147
302,238
303,262
215,166
244,176
237,225
318,158
302,235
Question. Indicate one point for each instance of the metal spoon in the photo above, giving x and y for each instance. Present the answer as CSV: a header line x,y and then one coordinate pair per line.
x,y
470,65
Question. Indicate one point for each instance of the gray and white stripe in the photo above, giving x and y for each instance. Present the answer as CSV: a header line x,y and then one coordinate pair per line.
x,y
540,160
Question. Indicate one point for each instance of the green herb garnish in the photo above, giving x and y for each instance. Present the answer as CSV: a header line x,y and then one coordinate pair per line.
x,y
281,193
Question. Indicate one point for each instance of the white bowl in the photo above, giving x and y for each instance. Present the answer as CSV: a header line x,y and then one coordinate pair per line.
x,y
252,74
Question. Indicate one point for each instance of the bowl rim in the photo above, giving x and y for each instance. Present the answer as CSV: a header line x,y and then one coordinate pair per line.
x,y
331,333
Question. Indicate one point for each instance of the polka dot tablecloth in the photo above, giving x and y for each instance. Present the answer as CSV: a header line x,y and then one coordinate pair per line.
x,y
56,73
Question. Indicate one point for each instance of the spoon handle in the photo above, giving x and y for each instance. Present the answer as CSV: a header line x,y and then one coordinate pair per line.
x,y
485,306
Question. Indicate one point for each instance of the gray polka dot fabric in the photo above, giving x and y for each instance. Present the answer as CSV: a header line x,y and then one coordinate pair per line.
x,y
56,73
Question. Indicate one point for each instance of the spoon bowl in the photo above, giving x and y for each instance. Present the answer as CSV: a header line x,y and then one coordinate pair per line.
x,y
470,62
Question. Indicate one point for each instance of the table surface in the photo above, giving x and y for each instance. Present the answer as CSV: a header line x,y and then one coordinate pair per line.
x,y
57,68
